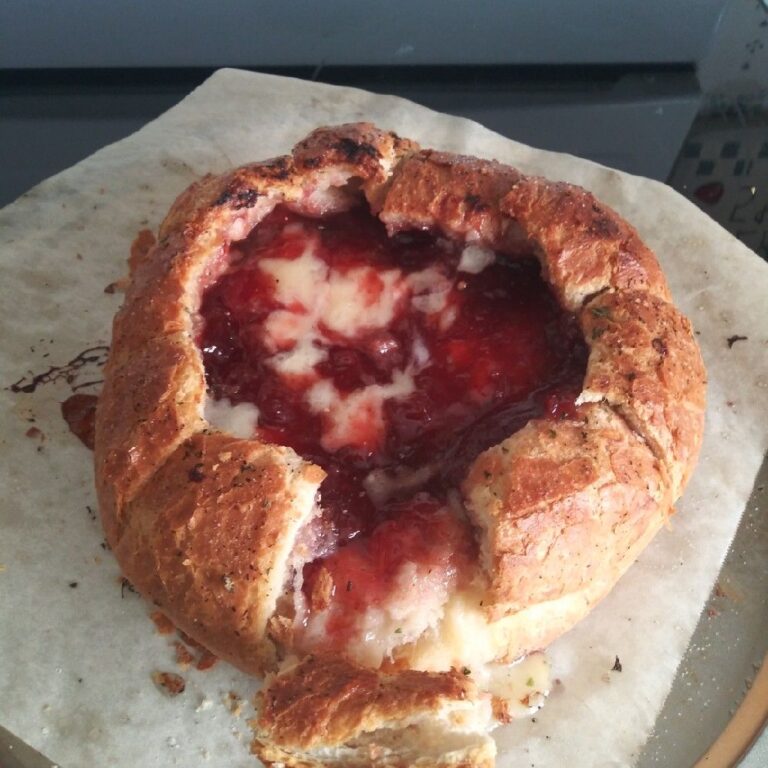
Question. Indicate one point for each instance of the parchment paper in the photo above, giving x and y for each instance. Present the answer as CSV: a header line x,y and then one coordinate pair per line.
x,y
76,656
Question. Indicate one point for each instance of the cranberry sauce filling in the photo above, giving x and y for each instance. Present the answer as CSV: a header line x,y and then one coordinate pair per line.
x,y
390,362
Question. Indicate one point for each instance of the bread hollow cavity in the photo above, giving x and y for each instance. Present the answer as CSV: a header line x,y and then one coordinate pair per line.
x,y
316,305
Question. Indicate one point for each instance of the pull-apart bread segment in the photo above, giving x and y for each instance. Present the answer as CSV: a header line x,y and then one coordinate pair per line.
x,y
325,711
503,538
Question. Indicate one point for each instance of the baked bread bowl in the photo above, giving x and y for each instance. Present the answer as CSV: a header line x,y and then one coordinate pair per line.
x,y
226,527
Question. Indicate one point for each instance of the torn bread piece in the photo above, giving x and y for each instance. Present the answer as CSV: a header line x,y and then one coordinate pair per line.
x,y
327,712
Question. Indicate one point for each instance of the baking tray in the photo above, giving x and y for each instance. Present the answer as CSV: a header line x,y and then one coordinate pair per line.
x,y
718,706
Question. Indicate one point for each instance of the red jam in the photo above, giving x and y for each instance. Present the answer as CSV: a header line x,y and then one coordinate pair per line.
x,y
409,367
366,572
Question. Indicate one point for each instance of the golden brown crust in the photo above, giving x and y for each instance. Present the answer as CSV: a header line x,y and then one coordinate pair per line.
x,y
458,195
325,703
360,148
584,246
151,401
645,362
562,505
140,248
326,700
209,533
204,523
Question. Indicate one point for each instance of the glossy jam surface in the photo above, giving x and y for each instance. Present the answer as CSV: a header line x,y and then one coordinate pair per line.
x,y
390,362
419,547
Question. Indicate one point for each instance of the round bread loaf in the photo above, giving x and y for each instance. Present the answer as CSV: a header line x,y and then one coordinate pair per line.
x,y
211,526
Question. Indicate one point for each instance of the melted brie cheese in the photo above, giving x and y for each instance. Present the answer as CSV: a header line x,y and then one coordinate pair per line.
x,y
297,280
464,633
360,299
317,300
381,485
356,419
523,686
283,329
430,288
322,396
299,361
414,605
475,258
238,420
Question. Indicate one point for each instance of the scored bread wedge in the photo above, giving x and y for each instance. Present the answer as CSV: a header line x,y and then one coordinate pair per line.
x,y
324,711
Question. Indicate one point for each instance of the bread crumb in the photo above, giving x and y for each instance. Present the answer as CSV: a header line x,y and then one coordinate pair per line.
x,y
118,286
162,622
206,660
322,590
190,641
183,656
234,703
500,708
169,683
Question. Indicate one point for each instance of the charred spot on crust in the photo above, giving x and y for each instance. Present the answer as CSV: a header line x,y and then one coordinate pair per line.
x,y
603,226
223,198
244,198
278,169
602,312
660,346
196,473
353,151
169,683
475,204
